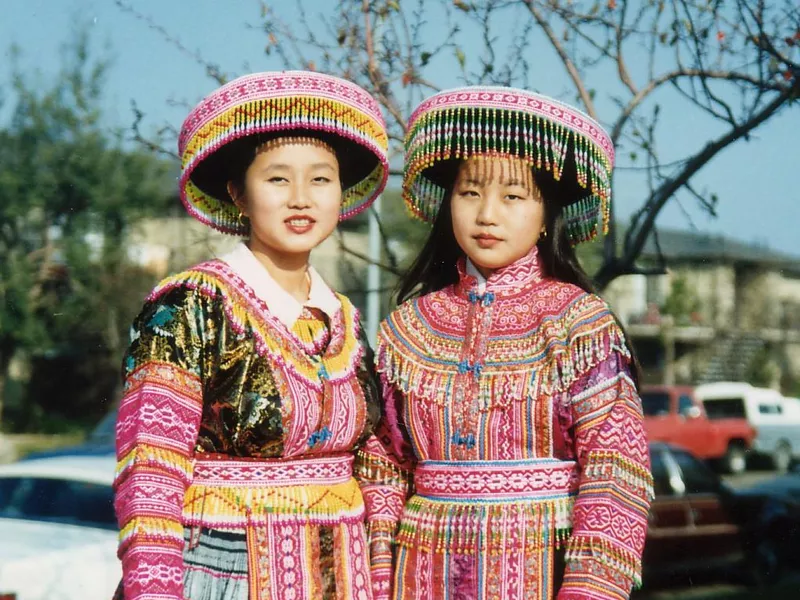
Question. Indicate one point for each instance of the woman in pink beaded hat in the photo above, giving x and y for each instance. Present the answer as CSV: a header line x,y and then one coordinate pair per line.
x,y
510,390
248,385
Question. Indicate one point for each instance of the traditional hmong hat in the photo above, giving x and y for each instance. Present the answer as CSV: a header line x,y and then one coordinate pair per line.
x,y
558,141
242,114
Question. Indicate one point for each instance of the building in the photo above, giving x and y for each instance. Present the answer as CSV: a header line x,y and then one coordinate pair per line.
x,y
725,310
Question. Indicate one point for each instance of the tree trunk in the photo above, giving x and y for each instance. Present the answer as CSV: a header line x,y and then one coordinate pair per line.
x,y
6,355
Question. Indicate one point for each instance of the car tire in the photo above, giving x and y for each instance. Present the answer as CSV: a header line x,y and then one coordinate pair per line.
x,y
764,566
782,457
735,460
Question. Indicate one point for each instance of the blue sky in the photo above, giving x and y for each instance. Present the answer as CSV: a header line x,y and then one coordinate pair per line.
x,y
756,182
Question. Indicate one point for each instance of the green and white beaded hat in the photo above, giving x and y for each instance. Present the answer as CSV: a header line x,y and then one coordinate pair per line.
x,y
499,121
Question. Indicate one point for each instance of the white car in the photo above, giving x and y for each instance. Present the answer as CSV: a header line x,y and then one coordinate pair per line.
x,y
58,532
776,419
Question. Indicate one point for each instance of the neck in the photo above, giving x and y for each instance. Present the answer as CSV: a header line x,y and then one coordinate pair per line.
x,y
290,271
484,271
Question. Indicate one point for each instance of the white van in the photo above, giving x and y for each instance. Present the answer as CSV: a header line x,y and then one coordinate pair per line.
x,y
775,418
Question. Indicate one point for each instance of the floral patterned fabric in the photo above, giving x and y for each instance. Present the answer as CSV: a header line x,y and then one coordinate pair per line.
x,y
236,435
512,418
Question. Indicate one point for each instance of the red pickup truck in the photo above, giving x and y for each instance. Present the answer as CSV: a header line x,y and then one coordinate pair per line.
x,y
672,414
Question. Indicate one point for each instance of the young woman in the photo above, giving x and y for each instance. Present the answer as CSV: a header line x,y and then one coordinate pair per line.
x,y
510,390
247,382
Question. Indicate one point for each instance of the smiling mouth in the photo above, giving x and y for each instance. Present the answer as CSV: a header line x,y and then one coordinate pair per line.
x,y
300,224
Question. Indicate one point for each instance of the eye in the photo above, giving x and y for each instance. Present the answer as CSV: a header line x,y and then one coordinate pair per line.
x,y
321,179
469,193
514,197
277,179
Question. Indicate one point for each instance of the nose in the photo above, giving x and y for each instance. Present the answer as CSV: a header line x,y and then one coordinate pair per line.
x,y
299,196
487,210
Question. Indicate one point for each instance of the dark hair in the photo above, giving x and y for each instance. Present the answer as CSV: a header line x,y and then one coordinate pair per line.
x,y
435,266
231,161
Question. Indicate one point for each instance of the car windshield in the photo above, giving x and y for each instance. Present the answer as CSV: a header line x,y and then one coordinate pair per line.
x,y
104,432
725,408
697,477
655,404
57,501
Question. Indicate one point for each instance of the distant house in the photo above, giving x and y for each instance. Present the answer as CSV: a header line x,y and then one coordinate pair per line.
x,y
725,310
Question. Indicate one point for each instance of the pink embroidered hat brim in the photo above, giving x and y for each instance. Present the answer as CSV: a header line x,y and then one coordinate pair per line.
x,y
254,108
553,138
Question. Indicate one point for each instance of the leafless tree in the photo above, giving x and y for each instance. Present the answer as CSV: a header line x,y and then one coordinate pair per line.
x,y
736,61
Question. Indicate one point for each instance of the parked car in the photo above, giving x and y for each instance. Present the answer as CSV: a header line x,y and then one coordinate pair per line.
x,y
673,414
58,532
776,419
698,524
100,442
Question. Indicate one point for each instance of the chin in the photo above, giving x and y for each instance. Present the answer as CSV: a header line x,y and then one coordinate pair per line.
x,y
291,243
299,246
487,260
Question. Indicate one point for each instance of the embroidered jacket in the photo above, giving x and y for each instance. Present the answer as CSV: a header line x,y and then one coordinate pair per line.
x,y
512,410
212,373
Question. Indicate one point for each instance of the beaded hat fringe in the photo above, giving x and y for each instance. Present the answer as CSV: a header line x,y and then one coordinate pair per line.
x,y
273,103
507,122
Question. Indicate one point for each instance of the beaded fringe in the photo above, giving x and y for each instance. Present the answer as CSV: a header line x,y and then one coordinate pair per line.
x,y
499,386
592,547
613,466
144,455
281,114
371,468
466,527
228,507
463,132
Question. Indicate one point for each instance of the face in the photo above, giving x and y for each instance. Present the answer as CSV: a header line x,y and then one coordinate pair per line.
x,y
292,195
498,211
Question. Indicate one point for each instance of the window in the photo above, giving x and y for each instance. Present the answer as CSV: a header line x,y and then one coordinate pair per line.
x,y
661,484
655,404
105,431
770,409
58,500
697,477
654,289
725,408
685,406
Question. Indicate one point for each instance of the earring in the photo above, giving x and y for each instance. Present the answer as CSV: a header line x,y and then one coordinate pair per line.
x,y
543,234
241,219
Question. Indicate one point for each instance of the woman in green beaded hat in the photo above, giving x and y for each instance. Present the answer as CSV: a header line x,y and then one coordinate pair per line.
x,y
511,391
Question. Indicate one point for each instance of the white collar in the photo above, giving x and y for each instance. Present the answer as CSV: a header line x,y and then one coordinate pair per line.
x,y
280,302
472,271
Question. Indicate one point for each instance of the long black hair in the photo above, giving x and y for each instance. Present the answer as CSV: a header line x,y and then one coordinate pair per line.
x,y
435,266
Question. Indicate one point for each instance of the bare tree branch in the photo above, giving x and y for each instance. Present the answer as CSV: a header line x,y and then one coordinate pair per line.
x,y
586,98
678,74
621,68
637,236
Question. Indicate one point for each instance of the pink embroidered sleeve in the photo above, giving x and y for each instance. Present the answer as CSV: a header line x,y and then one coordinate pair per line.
x,y
382,467
603,558
157,427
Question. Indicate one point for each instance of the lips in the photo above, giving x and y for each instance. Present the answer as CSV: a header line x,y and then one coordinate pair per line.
x,y
299,224
486,240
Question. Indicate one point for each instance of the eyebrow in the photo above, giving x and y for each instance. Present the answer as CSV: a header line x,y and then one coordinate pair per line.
x,y
472,181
